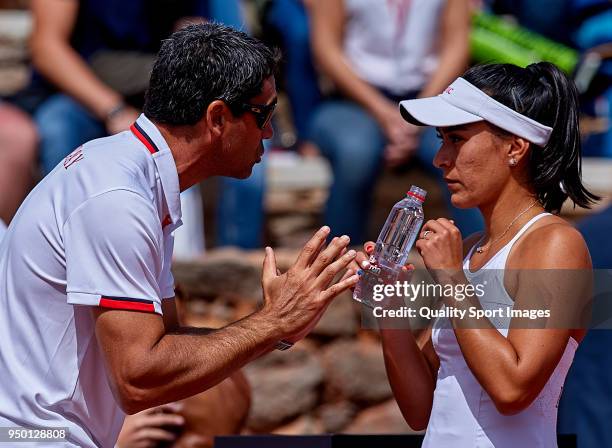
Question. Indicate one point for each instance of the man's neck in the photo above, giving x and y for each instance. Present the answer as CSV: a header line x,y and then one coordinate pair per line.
x,y
189,147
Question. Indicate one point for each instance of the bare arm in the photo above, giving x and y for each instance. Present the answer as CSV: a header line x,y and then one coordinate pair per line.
x,y
327,19
54,57
412,367
148,366
454,47
514,370
411,362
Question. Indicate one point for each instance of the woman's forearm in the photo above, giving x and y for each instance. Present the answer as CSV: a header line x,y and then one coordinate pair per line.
x,y
410,376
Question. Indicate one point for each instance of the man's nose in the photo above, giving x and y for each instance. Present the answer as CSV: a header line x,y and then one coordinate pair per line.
x,y
268,131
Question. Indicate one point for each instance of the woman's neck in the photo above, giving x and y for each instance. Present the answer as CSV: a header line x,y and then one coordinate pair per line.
x,y
498,215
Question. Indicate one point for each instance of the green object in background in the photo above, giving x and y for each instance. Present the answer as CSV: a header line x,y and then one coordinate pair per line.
x,y
494,39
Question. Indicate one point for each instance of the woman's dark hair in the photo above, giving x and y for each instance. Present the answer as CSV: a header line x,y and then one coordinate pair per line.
x,y
543,93
202,63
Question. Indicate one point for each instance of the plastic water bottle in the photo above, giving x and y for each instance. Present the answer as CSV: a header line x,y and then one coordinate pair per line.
x,y
393,245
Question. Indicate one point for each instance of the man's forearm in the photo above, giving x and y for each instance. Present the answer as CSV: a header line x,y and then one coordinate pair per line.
x,y
191,360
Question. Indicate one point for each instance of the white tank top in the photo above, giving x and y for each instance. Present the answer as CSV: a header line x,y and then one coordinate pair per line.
x,y
392,44
463,415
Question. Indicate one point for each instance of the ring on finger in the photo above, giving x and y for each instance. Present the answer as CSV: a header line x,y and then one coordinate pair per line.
x,y
427,232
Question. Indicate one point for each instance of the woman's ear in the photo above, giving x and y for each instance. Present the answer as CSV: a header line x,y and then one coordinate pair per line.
x,y
517,150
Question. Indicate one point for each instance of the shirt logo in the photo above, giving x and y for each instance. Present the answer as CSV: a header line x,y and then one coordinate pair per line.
x,y
74,157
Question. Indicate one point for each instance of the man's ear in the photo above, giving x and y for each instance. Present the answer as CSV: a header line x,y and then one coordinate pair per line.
x,y
519,148
217,115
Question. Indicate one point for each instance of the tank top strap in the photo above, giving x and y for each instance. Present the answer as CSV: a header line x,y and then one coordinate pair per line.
x,y
504,251
526,227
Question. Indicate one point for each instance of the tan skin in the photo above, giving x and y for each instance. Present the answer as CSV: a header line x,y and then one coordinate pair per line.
x,y
513,369
327,19
150,359
55,58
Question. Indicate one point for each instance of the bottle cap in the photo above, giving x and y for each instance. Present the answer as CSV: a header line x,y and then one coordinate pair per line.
x,y
417,193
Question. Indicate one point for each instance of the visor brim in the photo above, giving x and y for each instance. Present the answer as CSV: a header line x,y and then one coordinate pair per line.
x,y
435,112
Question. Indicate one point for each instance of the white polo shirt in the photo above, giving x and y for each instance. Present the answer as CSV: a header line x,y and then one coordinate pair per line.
x,y
95,232
2,229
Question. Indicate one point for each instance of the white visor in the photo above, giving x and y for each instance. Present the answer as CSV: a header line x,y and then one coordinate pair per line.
x,y
463,103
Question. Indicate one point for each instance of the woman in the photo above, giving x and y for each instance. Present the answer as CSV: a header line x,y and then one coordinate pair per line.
x,y
511,147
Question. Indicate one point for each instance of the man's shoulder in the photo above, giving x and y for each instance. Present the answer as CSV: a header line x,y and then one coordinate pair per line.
x,y
115,162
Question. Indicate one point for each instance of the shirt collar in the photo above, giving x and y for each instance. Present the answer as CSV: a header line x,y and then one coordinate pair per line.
x,y
164,161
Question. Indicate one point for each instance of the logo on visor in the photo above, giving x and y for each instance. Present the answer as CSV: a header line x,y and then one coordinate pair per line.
x,y
449,90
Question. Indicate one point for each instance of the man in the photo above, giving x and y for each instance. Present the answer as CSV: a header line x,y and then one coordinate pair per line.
x,y
88,326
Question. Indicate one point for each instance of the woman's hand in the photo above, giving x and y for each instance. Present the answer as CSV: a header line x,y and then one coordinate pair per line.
x,y
441,246
362,262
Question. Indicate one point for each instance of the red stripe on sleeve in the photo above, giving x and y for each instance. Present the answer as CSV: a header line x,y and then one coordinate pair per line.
x,y
142,139
127,305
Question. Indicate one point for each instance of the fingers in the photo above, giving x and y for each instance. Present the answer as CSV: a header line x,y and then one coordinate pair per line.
x,y
349,273
159,420
362,259
432,226
441,226
330,272
269,266
406,273
172,408
331,292
311,248
157,434
447,224
331,253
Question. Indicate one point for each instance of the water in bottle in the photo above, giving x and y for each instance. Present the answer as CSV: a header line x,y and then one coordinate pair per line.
x,y
393,245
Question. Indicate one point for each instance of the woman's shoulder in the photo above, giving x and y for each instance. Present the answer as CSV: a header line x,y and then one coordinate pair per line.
x,y
551,243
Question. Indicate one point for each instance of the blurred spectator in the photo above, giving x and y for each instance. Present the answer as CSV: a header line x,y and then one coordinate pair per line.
x,y
548,17
221,410
98,54
147,429
193,422
288,21
377,53
240,210
17,158
585,25
240,213
585,408
93,60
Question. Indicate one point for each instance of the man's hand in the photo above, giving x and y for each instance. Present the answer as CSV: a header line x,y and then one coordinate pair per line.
x,y
148,428
298,298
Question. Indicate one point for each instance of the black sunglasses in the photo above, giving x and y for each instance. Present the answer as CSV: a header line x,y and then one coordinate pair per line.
x,y
263,112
